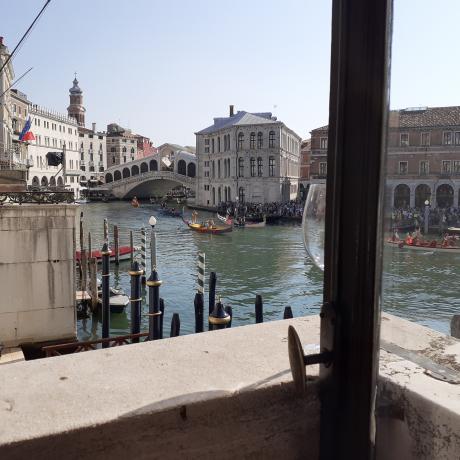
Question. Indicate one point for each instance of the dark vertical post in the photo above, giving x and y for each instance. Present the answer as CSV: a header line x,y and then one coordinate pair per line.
x,y
175,325
212,291
229,312
218,319
106,231
350,314
116,242
162,311
199,315
90,247
105,252
154,284
259,307
288,313
136,299
131,246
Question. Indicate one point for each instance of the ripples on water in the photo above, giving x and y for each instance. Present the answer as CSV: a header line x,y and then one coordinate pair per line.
x,y
270,261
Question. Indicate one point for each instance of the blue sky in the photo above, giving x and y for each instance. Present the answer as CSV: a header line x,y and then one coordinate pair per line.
x,y
165,69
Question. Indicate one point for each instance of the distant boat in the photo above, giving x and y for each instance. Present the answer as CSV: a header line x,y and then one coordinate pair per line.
x,y
432,246
135,203
82,201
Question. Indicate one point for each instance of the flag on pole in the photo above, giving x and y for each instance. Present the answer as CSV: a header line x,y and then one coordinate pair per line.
x,y
26,134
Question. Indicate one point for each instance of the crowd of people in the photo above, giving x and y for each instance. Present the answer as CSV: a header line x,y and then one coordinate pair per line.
x,y
438,217
293,208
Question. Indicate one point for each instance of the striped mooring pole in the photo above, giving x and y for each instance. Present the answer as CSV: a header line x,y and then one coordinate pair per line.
x,y
143,252
201,272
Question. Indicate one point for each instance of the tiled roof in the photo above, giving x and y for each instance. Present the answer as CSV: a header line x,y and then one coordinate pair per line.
x,y
241,118
323,128
429,117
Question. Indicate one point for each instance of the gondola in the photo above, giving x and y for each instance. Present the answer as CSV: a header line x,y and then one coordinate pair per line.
x,y
208,227
124,253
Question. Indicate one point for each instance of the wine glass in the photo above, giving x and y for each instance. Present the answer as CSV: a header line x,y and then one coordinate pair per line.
x,y
313,228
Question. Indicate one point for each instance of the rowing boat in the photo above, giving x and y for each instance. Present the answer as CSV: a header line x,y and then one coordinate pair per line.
x,y
124,253
432,246
207,227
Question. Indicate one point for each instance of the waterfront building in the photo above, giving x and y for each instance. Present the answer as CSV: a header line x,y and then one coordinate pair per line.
x,y
52,132
423,157
304,179
6,115
93,155
145,147
19,116
121,145
248,157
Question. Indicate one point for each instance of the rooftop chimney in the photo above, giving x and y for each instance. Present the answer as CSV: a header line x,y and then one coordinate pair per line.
x,y
94,127
231,111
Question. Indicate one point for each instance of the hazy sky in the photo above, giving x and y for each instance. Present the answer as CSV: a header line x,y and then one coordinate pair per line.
x,y
166,68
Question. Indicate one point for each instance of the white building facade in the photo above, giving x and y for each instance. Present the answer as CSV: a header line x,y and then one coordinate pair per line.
x,y
52,132
247,157
6,78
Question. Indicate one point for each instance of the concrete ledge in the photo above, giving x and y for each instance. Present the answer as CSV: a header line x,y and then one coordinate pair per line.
x,y
224,394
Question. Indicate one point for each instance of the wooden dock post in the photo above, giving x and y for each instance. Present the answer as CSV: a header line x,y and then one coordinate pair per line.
x,y
106,231
105,292
162,310
154,284
175,325
212,291
131,245
455,326
288,313
201,272
136,299
259,307
198,303
143,253
116,242
93,288
90,248
229,312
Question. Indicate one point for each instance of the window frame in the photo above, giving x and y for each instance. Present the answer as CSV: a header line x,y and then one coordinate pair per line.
x,y
401,142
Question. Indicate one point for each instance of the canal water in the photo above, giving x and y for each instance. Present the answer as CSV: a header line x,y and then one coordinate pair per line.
x,y
270,261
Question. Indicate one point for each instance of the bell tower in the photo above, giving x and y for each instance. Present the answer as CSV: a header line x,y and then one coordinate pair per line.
x,y
76,109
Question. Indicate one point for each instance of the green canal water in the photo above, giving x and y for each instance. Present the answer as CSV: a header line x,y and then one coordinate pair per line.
x,y
270,261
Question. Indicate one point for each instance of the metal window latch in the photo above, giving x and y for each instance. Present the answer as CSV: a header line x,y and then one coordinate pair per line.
x,y
299,361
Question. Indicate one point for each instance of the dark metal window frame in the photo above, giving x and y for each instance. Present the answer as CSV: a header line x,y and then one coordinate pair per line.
x,y
353,242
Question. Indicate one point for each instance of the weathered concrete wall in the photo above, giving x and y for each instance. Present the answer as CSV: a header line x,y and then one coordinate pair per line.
x,y
218,395
37,269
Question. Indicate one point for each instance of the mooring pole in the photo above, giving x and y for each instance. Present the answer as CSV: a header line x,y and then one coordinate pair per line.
x,y
162,311
175,325
201,272
105,252
90,246
131,246
259,307
143,253
219,318
212,291
154,284
288,313
153,244
106,231
198,303
136,299
116,242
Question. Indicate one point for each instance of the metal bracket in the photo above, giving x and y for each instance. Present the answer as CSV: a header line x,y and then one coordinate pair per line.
x,y
299,361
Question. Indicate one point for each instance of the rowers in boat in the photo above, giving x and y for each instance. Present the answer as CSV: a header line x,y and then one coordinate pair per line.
x,y
208,226
416,241
135,203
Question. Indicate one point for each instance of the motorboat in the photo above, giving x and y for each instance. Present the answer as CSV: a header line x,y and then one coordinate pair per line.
x,y
118,300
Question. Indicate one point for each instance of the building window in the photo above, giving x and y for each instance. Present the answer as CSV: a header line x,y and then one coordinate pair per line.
x,y
271,139
323,143
323,169
206,142
218,144
253,167
404,140
456,167
260,167
240,141
113,160
403,167
424,167
271,167
112,149
213,170
206,174
241,194
124,149
447,138
241,167
425,139
457,138
260,140
446,167
213,146
252,141
206,187
218,168
132,149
